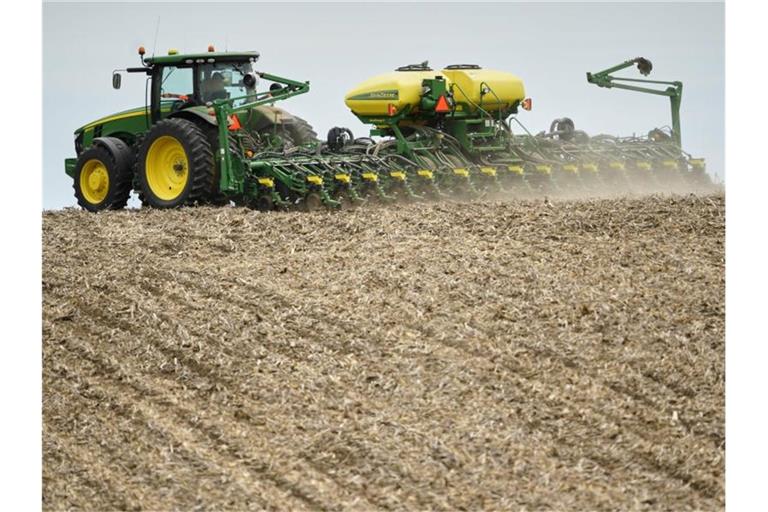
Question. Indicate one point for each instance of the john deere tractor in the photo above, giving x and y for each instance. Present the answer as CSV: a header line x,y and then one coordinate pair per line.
x,y
170,149
209,133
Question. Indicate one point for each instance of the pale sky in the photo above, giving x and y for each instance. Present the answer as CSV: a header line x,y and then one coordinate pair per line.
x,y
335,46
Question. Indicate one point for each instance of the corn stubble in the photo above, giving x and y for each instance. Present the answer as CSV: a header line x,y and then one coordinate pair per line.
x,y
490,355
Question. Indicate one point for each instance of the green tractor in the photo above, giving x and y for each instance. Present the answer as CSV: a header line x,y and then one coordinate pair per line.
x,y
171,150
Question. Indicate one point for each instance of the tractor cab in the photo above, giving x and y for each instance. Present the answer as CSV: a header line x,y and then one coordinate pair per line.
x,y
179,82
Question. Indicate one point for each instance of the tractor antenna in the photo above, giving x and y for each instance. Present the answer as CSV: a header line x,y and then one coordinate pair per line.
x,y
157,31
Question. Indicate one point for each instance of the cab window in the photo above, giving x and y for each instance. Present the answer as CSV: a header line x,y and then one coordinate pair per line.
x,y
222,81
177,84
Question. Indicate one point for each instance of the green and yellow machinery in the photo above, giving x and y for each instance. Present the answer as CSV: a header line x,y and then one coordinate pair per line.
x,y
210,133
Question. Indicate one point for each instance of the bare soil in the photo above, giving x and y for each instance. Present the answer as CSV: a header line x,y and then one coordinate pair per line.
x,y
522,355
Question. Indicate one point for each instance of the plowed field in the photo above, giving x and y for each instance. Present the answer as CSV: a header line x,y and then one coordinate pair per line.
x,y
523,355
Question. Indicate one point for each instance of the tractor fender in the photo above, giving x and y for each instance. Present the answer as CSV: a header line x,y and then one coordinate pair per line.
x,y
119,150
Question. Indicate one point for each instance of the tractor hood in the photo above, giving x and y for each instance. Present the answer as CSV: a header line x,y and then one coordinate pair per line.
x,y
125,114
134,120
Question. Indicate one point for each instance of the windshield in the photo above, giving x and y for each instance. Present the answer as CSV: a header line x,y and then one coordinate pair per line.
x,y
225,80
176,83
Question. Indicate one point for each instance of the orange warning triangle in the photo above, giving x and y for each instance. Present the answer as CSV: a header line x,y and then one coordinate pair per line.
x,y
234,123
442,105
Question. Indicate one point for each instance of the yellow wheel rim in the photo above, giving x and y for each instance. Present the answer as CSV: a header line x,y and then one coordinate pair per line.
x,y
94,181
167,168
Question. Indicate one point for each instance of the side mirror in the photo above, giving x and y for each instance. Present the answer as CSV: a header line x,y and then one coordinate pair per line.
x,y
116,80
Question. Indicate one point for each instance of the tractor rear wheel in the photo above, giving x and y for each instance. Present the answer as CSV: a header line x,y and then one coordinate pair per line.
x,y
102,179
215,197
301,132
175,164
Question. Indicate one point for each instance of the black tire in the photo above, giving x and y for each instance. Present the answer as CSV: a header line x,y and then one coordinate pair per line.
x,y
312,202
301,132
215,197
136,148
292,132
118,182
200,171
264,203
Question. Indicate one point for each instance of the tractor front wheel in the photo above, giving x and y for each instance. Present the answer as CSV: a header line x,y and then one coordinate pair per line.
x,y
102,180
175,164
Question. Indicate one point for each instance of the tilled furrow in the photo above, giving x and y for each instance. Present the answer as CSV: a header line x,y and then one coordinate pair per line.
x,y
380,458
225,440
647,418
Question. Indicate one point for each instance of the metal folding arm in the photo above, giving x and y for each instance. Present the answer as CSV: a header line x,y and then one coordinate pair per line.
x,y
606,79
